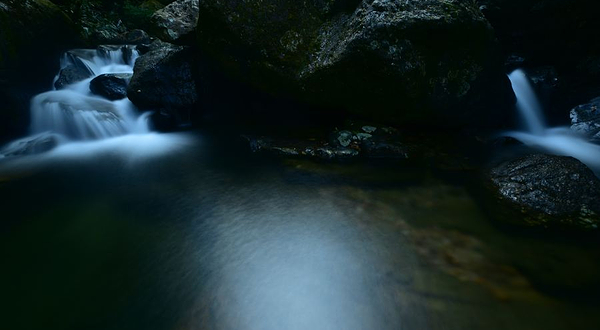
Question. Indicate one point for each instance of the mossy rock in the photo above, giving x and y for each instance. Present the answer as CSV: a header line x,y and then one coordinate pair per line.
x,y
392,61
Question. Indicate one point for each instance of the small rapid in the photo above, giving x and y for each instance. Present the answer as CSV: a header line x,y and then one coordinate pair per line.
x,y
71,113
560,141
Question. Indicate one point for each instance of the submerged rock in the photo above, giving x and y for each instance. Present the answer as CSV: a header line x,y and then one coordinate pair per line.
x,y
340,145
585,119
75,116
401,61
112,86
549,191
177,21
31,145
301,148
163,79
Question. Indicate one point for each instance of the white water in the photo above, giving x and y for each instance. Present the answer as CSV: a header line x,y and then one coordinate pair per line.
x,y
559,140
74,118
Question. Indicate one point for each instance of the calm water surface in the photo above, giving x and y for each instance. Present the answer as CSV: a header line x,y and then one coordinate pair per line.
x,y
192,234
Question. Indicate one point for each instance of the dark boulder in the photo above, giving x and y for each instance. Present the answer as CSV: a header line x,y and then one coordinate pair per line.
x,y
111,86
70,75
548,191
164,80
402,61
585,119
176,22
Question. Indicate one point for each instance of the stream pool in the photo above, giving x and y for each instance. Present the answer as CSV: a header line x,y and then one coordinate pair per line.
x,y
184,232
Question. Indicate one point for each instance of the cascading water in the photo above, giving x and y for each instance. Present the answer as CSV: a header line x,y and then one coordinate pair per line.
x,y
559,140
74,113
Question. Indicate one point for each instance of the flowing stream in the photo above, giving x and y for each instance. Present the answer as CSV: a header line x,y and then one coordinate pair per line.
x,y
74,113
120,228
555,140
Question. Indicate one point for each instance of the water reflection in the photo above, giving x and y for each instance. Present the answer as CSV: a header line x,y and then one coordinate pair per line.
x,y
279,264
146,233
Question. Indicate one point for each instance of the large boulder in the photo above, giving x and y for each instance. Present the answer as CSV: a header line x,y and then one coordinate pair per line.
x,y
29,28
164,81
176,22
548,191
402,61
585,119
112,86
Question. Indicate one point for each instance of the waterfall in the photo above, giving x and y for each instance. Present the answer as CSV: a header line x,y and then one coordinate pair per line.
x,y
560,141
74,113
527,103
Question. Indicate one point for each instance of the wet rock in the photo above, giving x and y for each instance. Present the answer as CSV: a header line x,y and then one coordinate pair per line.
x,y
300,148
342,138
105,50
70,75
585,119
369,129
176,22
340,145
156,45
398,61
128,53
111,86
31,145
549,191
75,57
127,50
163,79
